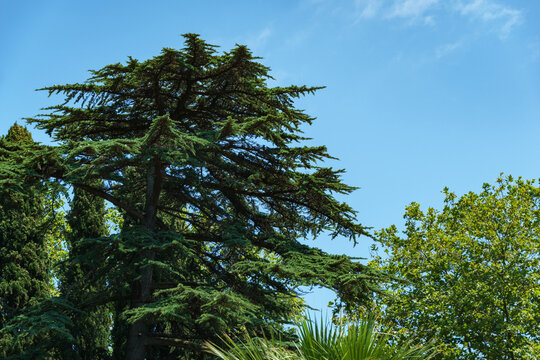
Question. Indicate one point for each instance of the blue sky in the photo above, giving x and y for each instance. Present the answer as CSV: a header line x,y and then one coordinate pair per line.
x,y
420,94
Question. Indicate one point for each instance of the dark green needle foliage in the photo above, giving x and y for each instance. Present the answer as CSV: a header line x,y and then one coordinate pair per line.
x,y
90,325
24,268
207,162
23,258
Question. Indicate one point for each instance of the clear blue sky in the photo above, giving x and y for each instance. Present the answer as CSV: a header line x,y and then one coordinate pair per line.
x,y
421,94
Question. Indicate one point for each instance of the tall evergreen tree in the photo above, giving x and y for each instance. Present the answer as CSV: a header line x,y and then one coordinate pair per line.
x,y
24,267
90,329
220,176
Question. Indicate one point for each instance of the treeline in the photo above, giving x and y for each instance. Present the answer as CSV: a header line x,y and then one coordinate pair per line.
x,y
201,169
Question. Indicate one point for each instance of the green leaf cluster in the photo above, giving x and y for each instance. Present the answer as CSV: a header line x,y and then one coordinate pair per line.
x,y
470,272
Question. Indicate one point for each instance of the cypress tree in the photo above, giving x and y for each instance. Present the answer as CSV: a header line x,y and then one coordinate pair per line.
x,y
33,323
23,257
220,176
24,266
90,329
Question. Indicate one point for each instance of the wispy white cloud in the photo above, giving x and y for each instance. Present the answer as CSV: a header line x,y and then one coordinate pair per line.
x,y
415,10
257,41
368,9
447,49
429,20
503,17
263,35
411,8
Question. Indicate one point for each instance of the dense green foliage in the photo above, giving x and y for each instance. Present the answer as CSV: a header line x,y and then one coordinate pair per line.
x,y
206,164
472,273
24,265
23,259
361,340
212,195
90,328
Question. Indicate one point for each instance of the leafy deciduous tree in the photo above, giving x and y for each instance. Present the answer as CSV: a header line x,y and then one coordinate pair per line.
x,y
472,272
